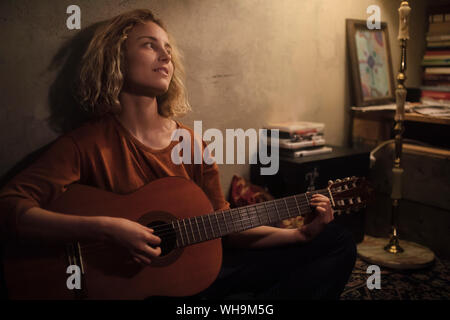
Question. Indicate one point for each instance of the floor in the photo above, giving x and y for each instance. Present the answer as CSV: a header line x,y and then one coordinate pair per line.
x,y
432,283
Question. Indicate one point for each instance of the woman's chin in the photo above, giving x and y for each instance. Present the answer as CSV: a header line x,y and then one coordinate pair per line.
x,y
160,89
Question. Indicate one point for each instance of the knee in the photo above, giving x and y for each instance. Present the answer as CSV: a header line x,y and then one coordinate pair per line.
x,y
343,242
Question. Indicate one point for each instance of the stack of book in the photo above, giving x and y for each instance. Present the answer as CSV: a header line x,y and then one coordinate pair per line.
x,y
436,61
300,138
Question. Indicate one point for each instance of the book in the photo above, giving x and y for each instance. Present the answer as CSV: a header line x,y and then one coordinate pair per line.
x,y
434,102
437,53
299,127
297,145
436,83
439,95
437,18
435,88
437,62
436,77
433,111
437,70
439,27
438,37
429,56
307,152
438,44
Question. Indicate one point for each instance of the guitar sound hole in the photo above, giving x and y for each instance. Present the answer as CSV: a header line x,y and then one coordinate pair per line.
x,y
166,233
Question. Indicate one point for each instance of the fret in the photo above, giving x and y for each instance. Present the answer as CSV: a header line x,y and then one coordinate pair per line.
x,y
262,217
214,234
259,218
204,227
268,216
199,234
278,214
240,218
218,224
248,214
285,203
249,218
244,218
233,221
187,235
331,198
225,221
181,234
296,203
176,238
192,229
307,201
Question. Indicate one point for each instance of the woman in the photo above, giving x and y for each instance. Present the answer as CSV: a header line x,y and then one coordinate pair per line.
x,y
131,79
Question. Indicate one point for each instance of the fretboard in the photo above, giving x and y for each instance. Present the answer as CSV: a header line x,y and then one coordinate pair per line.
x,y
221,223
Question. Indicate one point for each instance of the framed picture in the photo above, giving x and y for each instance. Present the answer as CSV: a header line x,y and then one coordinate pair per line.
x,y
370,62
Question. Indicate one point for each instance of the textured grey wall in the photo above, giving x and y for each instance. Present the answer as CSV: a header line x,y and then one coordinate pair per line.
x,y
248,62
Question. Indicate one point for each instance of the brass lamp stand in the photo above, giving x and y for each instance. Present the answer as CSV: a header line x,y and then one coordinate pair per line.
x,y
381,251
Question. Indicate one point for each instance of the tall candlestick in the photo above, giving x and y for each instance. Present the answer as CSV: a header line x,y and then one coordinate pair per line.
x,y
400,93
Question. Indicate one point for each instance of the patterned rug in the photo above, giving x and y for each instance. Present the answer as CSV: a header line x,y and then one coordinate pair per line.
x,y
432,283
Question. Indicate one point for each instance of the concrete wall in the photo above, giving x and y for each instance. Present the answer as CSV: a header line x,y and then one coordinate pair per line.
x,y
248,62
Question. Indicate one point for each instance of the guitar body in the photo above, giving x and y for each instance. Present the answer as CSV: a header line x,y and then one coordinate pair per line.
x,y
38,270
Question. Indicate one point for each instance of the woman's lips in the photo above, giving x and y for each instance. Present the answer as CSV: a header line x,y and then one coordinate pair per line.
x,y
162,71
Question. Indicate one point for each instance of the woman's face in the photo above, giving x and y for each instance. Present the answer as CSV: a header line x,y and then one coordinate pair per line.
x,y
149,66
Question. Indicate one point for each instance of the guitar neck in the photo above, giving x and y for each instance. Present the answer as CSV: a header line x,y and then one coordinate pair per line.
x,y
221,223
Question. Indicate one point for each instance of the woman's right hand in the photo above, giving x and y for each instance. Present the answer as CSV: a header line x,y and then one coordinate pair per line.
x,y
140,241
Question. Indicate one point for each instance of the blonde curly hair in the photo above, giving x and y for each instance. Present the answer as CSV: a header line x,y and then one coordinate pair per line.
x,y
101,73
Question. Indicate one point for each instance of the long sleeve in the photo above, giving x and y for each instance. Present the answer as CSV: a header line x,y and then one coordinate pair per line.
x,y
39,184
211,184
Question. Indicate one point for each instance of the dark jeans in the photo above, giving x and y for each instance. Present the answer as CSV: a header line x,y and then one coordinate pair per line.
x,y
318,269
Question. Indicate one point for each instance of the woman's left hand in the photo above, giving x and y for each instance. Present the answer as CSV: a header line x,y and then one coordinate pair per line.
x,y
316,221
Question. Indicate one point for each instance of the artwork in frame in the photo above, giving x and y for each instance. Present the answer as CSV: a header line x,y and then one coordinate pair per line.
x,y
370,62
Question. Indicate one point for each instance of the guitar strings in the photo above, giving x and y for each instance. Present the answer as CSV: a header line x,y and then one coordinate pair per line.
x,y
169,233
167,229
238,218
241,211
295,207
172,235
245,221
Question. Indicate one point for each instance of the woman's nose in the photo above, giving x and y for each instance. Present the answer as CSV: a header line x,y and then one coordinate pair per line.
x,y
164,55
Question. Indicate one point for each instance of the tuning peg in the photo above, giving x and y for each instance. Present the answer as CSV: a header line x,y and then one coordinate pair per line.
x,y
330,182
338,180
350,201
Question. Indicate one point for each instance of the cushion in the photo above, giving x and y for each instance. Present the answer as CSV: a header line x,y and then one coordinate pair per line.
x,y
243,193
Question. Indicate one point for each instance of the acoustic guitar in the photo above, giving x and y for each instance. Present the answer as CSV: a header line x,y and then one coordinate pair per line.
x,y
180,214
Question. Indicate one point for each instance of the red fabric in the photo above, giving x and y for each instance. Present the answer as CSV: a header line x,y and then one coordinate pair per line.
x,y
243,193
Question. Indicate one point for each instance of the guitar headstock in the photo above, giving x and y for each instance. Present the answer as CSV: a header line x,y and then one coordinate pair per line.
x,y
350,194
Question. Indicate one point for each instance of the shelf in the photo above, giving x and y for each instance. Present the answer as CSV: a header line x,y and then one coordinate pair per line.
x,y
389,115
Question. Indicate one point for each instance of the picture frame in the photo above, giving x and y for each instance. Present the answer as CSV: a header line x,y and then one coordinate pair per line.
x,y
370,63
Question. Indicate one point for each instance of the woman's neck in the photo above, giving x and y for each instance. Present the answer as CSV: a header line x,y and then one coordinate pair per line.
x,y
140,116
